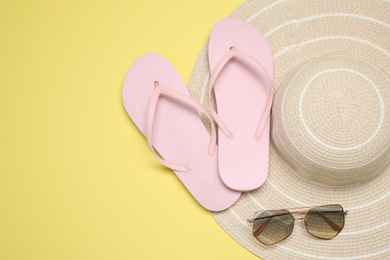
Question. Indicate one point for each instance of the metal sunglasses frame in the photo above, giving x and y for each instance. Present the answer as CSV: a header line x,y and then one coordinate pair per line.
x,y
300,210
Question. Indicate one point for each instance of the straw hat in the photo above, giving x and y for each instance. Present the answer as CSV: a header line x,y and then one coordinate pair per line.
x,y
330,124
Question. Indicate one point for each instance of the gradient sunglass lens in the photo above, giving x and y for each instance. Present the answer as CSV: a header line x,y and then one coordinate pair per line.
x,y
272,226
325,221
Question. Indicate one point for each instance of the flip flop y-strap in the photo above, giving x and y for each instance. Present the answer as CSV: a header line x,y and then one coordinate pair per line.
x,y
160,90
234,52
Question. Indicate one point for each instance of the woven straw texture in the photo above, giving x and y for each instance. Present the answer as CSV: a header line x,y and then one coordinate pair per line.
x,y
330,124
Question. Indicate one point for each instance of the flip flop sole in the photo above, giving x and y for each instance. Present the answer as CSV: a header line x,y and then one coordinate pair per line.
x,y
241,93
178,133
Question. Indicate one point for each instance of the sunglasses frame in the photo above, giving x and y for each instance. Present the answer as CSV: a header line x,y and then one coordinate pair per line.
x,y
299,210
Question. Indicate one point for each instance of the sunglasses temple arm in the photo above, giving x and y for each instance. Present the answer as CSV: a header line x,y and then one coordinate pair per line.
x,y
258,231
333,225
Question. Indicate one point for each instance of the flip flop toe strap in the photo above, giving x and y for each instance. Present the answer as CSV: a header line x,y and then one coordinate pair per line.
x,y
160,90
234,52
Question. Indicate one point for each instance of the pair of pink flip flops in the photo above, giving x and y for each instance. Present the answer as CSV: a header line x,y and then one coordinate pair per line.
x,y
157,100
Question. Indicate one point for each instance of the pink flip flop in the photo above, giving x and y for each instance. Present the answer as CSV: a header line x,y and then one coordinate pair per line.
x,y
157,100
241,65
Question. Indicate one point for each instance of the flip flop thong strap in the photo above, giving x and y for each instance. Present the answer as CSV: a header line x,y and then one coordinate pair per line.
x,y
234,52
160,90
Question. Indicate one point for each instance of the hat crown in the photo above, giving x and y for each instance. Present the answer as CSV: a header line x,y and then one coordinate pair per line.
x,y
331,120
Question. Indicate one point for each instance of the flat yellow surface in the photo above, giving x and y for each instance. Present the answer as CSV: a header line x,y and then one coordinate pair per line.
x,y
77,179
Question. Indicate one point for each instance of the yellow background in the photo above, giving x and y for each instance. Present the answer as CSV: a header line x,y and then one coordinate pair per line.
x,y
77,179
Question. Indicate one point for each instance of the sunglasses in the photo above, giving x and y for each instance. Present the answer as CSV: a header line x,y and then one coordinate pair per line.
x,y
273,226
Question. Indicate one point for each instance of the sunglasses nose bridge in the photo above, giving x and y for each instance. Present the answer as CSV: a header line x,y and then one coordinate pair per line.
x,y
298,215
